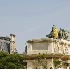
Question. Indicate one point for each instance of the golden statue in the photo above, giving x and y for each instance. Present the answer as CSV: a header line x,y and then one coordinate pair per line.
x,y
54,32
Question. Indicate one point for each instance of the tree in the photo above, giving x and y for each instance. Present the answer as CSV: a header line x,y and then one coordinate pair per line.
x,y
11,61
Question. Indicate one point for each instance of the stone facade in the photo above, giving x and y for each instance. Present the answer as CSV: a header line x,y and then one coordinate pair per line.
x,y
40,64
48,46
7,44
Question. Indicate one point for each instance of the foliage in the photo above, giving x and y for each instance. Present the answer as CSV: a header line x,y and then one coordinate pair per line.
x,y
41,56
65,64
11,61
56,62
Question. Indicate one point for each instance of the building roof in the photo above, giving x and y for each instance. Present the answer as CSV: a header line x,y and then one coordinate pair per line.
x,y
49,40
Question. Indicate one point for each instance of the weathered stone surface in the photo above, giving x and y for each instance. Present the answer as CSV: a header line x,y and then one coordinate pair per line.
x,y
56,44
48,46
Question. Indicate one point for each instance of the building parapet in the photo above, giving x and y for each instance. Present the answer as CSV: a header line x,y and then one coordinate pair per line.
x,y
5,38
62,41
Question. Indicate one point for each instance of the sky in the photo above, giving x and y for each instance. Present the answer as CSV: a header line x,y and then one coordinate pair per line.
x,y
32,19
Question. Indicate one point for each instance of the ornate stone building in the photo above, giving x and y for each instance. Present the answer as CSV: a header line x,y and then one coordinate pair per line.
x,y
48,46
7,44
56,46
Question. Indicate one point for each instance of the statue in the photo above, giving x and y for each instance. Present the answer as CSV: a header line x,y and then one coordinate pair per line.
x,y
60,33
55,34
49,35
63,34
66,34
63,31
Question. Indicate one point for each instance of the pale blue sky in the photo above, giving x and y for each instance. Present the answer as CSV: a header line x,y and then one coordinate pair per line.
x,y
30,19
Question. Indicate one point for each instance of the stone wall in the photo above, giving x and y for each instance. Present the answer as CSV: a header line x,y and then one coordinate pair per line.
x,y
36,48
56,46
40,64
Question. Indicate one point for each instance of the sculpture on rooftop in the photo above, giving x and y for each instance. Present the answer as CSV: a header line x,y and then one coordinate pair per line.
x,y
58,34
53,33
63,34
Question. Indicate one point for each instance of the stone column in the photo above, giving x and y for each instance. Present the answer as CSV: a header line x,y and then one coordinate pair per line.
x,y
29,64
50,63
29,48
12,43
